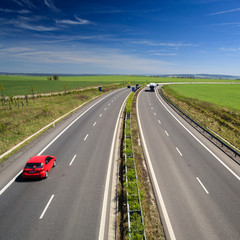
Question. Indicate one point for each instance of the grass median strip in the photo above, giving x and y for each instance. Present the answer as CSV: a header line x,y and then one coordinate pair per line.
x,y
130,188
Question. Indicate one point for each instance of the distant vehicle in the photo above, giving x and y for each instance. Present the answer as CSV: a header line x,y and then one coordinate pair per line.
x,y
128,86
39,166
152,86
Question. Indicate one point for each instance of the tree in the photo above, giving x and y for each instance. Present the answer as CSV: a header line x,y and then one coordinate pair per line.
x,y
55,77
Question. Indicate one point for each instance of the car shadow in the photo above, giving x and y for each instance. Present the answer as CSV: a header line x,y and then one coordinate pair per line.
x,y
20,179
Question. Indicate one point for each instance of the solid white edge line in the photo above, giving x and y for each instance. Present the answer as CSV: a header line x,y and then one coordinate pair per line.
x,y
45,209
154,180
202,185
72,160
13,179
106,190
179,151
9,183
219,160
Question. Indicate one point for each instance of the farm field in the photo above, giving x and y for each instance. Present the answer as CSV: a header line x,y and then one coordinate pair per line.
x,y
21,85
215,106
224,95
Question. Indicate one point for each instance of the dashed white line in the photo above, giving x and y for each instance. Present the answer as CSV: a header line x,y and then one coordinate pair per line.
x,y
152,108
109,104
86,137
159,121
202,185
179,152
155,114
105,109
166,133
100,115
72,160
94,124
45,209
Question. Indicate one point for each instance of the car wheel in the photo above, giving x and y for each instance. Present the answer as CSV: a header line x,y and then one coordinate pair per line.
x,y
55,163
46,175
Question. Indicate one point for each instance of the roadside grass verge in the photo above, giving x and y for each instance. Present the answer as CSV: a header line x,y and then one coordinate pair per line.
x,y
211,106
22,120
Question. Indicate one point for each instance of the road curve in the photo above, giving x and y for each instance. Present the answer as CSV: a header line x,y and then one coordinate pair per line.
x,y
67,205
197,185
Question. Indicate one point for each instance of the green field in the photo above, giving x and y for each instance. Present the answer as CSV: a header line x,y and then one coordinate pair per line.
x,y
223,95
22,85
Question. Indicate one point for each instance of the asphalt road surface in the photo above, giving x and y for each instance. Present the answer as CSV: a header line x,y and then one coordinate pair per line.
x,y
197,185
69,204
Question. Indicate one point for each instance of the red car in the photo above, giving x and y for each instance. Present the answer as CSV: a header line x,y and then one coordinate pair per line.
x,y
39,166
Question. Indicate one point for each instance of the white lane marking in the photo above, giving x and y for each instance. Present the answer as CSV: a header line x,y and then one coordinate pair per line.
x,y
112,100
108,179
202,185
150,104
166,133
155,114
109,104
44,149
159,121
155,182
86,137
94,124
214,155
105,109
100,115
152,108
45,209
179,152
72,160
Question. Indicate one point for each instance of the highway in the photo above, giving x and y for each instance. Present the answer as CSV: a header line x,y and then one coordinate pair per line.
x,y
73,202
196,185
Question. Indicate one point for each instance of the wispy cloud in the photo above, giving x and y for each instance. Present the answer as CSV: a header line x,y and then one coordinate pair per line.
x,y
23,3
23,11
226,11
51,6
79,21
163,44
38,28
230,49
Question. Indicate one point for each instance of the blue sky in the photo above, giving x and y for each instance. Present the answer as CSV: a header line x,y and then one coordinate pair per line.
x,y
120,37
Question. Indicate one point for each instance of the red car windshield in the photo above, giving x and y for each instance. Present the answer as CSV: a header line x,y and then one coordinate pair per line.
x,y
34,165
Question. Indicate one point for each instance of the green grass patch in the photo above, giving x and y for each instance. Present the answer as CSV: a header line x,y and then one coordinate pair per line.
x,y
23,120
214,106
223,95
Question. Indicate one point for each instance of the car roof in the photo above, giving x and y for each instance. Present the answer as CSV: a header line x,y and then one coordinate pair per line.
x,y
37,159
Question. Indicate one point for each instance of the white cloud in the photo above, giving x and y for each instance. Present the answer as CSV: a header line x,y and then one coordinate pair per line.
x,y
226,11
79,21
51,6
36,27
162,44
23,11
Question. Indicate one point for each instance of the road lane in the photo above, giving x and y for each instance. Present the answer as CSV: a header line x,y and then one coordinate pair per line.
x,y
193,213
75,210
